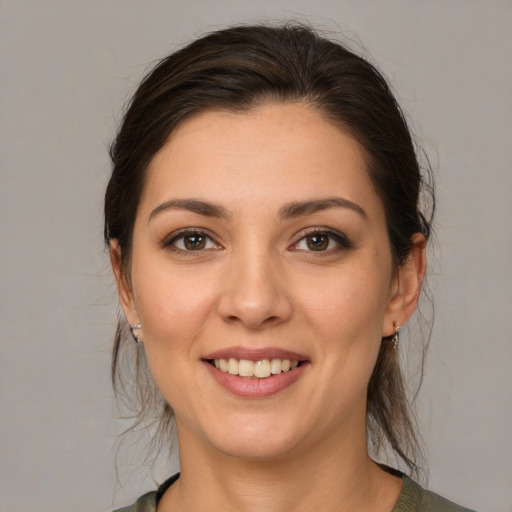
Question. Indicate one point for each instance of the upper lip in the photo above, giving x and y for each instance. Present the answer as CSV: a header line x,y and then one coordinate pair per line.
x,y
255,354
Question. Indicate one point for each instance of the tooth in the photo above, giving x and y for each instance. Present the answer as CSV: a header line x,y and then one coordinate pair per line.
x,y
233,366
262,368
246,368
276,366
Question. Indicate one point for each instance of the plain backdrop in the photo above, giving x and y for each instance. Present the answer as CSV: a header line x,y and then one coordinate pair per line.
x,y
68,66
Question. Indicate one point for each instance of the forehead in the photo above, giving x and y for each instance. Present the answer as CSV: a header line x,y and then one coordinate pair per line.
x,y
277,152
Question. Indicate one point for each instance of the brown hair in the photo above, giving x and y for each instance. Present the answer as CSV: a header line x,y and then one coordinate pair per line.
x,y
237,69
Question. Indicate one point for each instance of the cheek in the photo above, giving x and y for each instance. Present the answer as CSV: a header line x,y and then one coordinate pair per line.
x,y
349,299
345,314
173,305
174,311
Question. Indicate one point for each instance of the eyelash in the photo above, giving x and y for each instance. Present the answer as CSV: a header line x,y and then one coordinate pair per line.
x,y
170,242
341,241
338,238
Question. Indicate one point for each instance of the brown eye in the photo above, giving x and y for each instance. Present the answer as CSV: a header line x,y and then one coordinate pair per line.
x,y
191,241
194,242
323,241
317,242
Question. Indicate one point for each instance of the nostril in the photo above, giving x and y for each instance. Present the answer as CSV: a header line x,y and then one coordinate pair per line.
x,y
253,306
253,323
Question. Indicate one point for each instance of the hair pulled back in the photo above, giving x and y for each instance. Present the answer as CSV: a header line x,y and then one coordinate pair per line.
x,y
237,69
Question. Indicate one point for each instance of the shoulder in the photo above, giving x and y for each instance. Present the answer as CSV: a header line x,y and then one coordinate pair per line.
x,y
146,503
149,501
414,498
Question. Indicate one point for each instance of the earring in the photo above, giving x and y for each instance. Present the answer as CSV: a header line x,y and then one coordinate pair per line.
x,y
396,337
134,336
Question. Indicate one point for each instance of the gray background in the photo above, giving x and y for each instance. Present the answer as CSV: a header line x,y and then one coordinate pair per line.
x,y
68,67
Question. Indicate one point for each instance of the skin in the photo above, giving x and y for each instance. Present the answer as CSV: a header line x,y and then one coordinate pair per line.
x,y
257,283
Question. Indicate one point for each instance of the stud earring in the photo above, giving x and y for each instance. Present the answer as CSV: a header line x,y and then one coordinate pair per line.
x,y
132,331
396,337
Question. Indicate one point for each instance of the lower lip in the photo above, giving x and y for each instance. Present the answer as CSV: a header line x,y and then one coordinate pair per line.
x,y
255,387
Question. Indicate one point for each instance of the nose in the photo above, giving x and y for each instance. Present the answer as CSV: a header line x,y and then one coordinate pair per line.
x,y
255,293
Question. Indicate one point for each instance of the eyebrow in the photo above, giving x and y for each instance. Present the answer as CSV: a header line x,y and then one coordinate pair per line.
x,y
288,211
297,209
192,205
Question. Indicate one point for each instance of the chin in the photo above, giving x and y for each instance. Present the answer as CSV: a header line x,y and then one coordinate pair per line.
x,y
266,441
252,450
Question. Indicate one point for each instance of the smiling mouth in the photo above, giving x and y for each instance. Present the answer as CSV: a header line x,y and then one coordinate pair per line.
x,y
261,369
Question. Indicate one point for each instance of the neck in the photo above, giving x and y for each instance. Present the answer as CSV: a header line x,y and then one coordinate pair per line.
x,y
335,477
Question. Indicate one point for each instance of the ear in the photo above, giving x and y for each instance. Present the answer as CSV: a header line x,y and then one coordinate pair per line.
x,y
406,287
123,285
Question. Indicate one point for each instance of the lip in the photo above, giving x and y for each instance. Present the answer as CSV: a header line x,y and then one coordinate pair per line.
x,y
254,387
255,354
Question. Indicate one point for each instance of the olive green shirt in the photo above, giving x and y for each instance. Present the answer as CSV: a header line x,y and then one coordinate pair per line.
x,y
413,498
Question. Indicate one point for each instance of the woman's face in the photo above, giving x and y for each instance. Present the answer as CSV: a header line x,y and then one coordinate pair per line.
x,y
260,244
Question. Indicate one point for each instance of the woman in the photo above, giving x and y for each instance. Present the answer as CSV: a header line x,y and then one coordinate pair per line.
x,y
265,232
